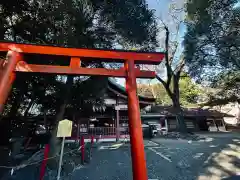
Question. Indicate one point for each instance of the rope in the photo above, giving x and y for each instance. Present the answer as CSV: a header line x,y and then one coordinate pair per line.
x,y
36,162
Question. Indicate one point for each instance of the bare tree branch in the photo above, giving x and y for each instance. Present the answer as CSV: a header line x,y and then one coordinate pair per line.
x,y
180,66
161,80
167,62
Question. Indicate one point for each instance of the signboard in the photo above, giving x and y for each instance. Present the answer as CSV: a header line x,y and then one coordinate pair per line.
x,y
121,107
117,108
64,128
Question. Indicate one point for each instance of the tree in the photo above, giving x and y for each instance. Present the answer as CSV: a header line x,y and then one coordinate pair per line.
x,y
170,42
212,46
212,40
82,23
226,92
227,86
174,64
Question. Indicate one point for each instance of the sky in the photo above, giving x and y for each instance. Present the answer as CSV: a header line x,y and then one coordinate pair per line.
x,y
161,8
238,4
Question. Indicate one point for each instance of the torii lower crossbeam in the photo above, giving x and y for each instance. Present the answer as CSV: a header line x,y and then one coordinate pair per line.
x,y
15,63
65,70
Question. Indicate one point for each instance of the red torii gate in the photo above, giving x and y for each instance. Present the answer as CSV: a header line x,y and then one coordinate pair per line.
x,y
15,63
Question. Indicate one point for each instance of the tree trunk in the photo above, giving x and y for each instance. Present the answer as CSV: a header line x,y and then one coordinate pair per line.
x,y
177,106
55,143
179,116
238,113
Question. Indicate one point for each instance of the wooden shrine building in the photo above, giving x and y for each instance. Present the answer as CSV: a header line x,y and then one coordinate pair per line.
x,y
112,117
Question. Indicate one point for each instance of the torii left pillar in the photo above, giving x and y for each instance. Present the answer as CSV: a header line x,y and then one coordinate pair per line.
x,y
8,75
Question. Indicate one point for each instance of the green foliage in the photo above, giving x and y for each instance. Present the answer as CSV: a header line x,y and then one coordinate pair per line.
x,y
80,23
189,92
154,90
212,41
212,45
228,89
161,95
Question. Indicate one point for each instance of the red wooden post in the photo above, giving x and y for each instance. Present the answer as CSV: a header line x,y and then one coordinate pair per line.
x,y
117,126
78,130
92,140
44,162
8,76
117,119
82,148
136,135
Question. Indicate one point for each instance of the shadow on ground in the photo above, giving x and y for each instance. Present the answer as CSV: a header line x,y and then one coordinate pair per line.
x,y
235,177
224,161
211,157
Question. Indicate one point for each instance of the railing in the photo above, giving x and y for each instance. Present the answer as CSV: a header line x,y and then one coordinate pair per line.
x,y
104,131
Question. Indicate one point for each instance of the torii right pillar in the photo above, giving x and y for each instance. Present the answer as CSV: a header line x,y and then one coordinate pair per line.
x,y
135,126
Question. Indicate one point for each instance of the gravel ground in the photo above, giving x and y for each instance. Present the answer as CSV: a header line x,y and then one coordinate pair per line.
x,y
208,157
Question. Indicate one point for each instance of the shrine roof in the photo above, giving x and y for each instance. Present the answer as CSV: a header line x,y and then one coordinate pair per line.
x,y
119,90
160,110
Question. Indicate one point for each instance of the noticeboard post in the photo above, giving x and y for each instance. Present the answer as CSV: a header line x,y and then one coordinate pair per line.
x,y
64,130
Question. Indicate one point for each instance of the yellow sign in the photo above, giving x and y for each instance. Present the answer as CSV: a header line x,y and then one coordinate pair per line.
x,y
64,128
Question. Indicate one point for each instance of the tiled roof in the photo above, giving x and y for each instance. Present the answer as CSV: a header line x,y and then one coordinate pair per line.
x,y
120,90
170,111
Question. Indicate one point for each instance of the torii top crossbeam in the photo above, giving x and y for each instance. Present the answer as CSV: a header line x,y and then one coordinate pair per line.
x,y
107,55
15,62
